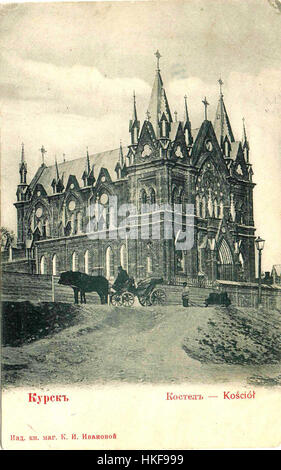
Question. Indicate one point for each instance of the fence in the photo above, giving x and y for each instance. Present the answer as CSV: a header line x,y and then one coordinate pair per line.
x,y
45,288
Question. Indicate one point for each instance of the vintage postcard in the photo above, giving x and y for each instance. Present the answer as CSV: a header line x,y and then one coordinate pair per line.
x,y
140,225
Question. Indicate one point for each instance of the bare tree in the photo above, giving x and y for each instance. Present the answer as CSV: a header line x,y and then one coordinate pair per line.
x,y
7,236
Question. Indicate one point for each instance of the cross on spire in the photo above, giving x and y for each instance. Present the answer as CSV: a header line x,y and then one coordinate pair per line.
x,y
221,84
148,115
176,115
158,56
244,130
205,102
43,151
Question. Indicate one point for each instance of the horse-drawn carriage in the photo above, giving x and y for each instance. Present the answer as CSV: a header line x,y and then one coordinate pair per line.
x,y
147,292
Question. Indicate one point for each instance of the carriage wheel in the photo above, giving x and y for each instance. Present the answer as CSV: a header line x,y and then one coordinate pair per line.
x,y
144,300
158,297
116,300
127,299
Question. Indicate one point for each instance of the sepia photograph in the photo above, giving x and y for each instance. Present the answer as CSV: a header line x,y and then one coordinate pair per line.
x,y
140,225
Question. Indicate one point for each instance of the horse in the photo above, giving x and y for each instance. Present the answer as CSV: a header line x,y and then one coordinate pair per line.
x,y
81,282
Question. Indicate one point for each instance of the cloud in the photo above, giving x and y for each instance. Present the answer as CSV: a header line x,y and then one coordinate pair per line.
x,y
74,89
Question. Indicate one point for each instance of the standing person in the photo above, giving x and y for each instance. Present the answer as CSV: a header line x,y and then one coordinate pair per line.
x,y
185,295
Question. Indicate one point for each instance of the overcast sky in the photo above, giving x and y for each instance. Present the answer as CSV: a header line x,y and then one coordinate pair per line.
x,y
68,72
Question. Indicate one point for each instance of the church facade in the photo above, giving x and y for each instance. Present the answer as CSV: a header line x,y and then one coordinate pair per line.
x,y
166,165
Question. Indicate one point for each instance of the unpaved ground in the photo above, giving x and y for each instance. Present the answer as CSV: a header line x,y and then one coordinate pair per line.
x,y
156,344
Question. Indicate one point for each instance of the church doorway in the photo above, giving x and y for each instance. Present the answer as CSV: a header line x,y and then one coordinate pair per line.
x,y
225,263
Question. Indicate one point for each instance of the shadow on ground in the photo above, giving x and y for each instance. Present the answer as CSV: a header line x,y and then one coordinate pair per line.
x,y
93,343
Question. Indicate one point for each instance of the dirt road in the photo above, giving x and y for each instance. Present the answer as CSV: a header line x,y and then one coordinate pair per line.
x,y
137,345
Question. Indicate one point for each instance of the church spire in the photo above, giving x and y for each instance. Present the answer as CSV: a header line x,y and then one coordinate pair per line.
x,y
135,117
158,104
187,126
121,156
134,125
22,167
57,169
57,183
245,143
88,174
88,162
222,125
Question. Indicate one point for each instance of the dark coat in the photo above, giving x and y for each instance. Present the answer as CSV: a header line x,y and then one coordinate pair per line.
x,y
121,279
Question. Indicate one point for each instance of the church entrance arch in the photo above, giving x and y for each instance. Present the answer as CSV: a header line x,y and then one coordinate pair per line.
x,y
225,262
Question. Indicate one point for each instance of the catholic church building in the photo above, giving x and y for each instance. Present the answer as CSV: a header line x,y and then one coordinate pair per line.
x,y
166,163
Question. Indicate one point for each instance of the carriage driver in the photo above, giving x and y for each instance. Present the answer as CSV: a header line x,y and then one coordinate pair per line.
x,y
122,278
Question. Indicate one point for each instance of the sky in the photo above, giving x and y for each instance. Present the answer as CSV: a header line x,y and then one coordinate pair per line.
x,y
68,72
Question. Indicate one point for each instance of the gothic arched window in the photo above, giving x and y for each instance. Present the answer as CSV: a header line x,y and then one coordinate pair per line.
x,y
79,222
47,227
72,220
86,261
221,210
74,261
109,263
232,208
152,196
123,257
210,205
175,196
215,208
54,265
143,196
43,267
203,213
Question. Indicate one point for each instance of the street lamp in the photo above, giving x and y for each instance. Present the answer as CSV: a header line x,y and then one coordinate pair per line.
x,y
260,246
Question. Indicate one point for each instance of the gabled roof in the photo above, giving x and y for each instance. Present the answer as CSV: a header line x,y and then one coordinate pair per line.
x,y
158,103
76,167
222,125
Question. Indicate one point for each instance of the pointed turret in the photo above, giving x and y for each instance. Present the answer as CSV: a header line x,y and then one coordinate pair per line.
x,y
23,186
121,156
22,167
134,126
88,162
187,125
245,143
88,174
158,104
57,169
57,183
120,165
222,125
